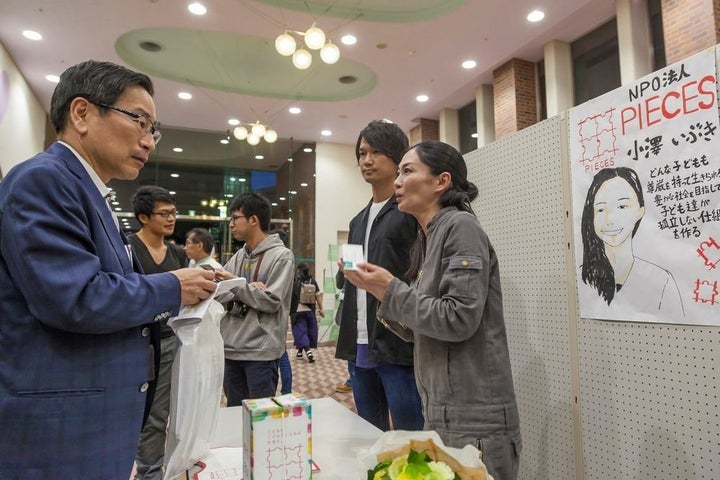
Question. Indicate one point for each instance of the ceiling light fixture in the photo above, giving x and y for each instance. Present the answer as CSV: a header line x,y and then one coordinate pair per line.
x,y
348,39
197,8
294,110
255,133
422,98
52,78
535,16
468,64
31,35
184,95
314,39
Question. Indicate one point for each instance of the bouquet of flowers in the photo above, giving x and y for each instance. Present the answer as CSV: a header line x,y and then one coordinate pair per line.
x,y
402,455
413,466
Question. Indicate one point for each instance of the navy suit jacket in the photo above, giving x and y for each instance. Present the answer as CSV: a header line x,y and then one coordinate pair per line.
x,y
74,347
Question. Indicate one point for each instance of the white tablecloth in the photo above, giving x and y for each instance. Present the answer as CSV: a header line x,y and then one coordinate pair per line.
x,y
337,436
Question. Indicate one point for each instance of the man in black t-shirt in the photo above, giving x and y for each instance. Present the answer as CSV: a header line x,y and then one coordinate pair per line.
x,y
154,208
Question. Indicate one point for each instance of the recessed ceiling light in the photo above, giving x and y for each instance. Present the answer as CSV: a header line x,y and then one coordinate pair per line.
x,y
293,192
535,16
474,135
468,64
303,184
185,95
290,159
348,39
172,192
307,149
31,35
422,98
224,141
242,180
274,204
282,199
294,110
177,149
259,157
234,122
197,8
115,203
52,78
118,209
326,133
174,175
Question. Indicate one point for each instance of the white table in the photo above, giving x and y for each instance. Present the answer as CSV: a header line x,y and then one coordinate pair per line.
x,y
337,436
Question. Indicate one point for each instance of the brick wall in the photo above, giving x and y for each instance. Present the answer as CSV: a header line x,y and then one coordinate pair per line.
x,y
689,26
515,101
427,130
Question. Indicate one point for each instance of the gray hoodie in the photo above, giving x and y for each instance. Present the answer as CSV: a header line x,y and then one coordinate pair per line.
x,y
261,333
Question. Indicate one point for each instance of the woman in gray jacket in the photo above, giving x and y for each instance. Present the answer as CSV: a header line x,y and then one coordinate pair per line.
x,y
454,308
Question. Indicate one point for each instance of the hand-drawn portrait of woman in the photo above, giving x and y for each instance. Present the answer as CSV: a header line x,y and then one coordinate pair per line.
x,y
613,209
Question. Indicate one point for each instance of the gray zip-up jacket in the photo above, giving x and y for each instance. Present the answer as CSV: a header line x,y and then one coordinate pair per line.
x,y
261,333
462,363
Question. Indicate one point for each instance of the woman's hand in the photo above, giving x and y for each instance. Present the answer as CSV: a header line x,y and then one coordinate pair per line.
x,y
370,278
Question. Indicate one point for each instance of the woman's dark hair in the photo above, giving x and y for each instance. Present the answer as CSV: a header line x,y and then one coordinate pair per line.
x,y
97,82
596,268
441,157
385,137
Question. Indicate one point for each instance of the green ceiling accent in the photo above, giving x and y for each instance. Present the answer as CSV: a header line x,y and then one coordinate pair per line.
x,y
243,64
399,11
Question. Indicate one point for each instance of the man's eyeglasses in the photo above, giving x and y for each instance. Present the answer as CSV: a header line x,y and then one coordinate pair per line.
x,y
166,213
143,122
234,218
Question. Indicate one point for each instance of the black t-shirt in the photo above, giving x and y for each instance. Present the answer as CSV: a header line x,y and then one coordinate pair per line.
x,y
174,258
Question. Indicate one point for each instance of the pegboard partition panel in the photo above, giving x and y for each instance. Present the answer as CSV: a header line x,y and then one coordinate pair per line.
x,y
649,399
648,405
520,206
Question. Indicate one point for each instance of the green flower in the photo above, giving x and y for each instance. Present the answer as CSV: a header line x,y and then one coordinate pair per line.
x,y
413,466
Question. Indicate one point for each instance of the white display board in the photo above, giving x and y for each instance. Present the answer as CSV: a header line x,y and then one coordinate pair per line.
x,y
645,165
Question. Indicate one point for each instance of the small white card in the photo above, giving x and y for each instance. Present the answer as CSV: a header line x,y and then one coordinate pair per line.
x,y
352,254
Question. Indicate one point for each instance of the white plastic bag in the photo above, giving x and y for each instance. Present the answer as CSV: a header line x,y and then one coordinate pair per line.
x,y
197,378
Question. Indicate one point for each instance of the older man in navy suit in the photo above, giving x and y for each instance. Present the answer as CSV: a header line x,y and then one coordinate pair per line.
x,y
75,356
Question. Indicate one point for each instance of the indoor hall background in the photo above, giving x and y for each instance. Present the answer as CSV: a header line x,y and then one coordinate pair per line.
x,y
597,399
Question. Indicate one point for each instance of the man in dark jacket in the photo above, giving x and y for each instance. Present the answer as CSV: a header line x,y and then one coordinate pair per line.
x,y
381,364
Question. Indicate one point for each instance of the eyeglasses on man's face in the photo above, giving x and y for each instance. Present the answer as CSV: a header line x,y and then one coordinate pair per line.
x,y
235,218
166,213
143,122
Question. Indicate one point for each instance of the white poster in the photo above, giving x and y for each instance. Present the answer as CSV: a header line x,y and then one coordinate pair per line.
x,y
645,168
